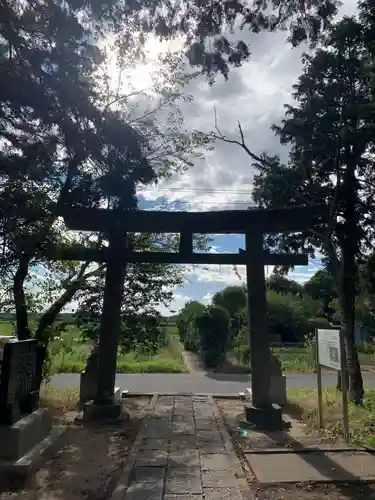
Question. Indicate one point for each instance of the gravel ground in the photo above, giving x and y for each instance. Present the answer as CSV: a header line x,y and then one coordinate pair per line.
x,y
89,464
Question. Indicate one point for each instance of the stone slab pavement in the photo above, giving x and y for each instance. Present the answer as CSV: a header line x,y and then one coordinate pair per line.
x,y
318,466
183,452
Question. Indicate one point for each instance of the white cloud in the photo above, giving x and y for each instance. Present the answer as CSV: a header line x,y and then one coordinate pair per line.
x,y
254,95
225,275
177,303
207,298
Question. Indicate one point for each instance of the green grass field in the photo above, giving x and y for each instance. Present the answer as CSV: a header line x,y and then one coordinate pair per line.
x,y
69,354
6,327
302,403
299,359
302,359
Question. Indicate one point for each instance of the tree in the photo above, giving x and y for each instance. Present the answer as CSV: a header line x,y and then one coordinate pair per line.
x,y
330,129
56,142
214,337
367,19
69,137
289,315
187,324
206,27
232,299
322,287
280,284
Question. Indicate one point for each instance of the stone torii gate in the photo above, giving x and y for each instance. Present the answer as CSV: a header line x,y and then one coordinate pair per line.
x,y
253,223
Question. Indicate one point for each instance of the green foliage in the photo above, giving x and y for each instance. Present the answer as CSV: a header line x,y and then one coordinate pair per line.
x,y
232,298
304,407
280,284
213,326
330,128
187,326
322,287
69,353
242,353
66,140
205,24
288,316
191,340
319,322
142,334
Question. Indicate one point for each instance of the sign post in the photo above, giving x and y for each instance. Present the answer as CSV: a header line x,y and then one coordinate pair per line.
x,y
344,383
319,382
330,353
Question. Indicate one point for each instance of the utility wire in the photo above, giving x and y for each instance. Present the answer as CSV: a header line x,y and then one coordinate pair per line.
x,y
193,190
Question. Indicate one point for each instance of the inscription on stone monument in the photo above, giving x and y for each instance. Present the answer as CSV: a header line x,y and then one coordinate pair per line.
x,y
20,379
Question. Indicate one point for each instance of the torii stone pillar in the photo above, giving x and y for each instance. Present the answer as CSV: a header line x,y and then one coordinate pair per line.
x,y
104,405
262,412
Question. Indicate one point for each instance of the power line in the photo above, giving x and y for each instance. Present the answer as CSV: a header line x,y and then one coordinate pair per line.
x,y
212,204
205,190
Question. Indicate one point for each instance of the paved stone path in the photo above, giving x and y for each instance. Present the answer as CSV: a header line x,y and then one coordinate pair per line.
x,y
184,453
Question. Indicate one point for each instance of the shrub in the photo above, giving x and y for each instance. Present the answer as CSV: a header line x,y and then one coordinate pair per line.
x,y
366,348
191,342
214,337
288,315
242,353
187,326
319,322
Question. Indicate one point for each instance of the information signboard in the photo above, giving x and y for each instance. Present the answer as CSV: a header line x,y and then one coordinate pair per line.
x,y
330,353
329,349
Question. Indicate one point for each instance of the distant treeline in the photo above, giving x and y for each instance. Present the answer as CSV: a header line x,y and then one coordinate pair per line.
x,y
67,317
64,317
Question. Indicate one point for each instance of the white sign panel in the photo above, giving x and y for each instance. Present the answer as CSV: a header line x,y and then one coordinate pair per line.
x,y
329,348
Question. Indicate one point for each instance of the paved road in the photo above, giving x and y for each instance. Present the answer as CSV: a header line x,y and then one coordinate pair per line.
x,y
198,383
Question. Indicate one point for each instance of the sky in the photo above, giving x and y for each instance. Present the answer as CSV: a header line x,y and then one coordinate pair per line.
x,y
254,95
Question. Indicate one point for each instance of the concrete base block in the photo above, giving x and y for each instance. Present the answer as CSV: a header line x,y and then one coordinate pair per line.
x,y
14,473
265,418
92,411
18,438
88,387
117,394
277,390
248,394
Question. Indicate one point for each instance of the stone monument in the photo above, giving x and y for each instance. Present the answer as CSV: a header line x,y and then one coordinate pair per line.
x,y
26,434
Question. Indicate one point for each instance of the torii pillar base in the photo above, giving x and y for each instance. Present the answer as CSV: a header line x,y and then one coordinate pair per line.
x,y
266,418
103,413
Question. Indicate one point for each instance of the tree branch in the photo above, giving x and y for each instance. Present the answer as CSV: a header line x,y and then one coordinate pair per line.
x,y
242,143
50,315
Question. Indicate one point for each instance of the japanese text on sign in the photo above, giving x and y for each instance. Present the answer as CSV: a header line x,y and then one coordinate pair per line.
x,y
329,348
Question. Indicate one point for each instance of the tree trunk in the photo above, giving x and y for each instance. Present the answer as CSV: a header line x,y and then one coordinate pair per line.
x,y
22,323
22,326
50,315
348,285
347,299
